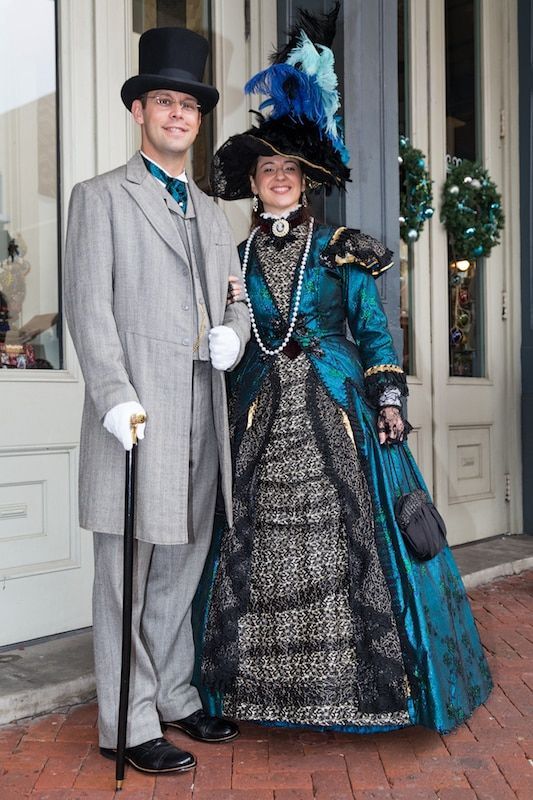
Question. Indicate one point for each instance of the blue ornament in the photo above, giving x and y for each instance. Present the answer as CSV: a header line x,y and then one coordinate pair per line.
x,y
455,336
470,232
421,162
479,250
429,212
495,205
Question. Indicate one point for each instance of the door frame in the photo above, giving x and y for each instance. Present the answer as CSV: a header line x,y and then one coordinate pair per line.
x,y
431,388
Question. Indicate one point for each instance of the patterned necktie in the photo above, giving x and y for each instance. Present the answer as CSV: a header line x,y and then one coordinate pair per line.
x,y
176,187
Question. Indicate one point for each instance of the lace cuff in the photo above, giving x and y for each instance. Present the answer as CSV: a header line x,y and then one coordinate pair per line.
x,y
380,379
390,397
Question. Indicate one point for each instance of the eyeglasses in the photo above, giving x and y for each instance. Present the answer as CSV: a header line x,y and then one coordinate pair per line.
x,y
187,106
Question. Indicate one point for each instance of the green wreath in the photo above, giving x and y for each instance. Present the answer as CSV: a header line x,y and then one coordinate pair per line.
x,y
415,191
471,211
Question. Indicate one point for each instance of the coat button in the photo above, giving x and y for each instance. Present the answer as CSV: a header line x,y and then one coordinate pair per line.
x,y
185,342
185,306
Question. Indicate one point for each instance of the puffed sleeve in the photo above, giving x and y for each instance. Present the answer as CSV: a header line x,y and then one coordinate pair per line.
x,y
361,258
350,246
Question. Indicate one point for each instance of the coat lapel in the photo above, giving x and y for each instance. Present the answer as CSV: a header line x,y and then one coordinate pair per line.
x,y
146,193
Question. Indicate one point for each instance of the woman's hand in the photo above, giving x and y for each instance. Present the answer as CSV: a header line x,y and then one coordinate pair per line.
x,y
391,426
235,290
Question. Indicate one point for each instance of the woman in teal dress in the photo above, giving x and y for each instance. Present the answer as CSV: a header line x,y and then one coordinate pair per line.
x,y
315,613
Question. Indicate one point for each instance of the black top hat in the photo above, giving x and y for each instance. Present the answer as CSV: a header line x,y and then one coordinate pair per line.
x,y
171,58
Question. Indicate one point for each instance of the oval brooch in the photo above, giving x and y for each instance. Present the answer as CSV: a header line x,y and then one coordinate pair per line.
x,y
280,227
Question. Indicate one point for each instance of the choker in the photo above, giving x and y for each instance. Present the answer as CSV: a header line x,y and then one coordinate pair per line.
x,y
281,226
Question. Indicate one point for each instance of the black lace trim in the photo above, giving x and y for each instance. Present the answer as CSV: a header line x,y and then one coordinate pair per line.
x,y
350,246
377,382
231,592
380,676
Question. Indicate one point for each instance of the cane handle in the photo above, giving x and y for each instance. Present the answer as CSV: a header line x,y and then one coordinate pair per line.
x,y
136,419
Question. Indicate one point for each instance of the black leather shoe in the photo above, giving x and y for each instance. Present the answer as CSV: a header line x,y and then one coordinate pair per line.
x,y
204,728
155,756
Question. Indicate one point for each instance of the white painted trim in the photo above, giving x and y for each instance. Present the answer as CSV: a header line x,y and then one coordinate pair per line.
x,y
420,408
235,60
77,134
112,47
512,258
71,450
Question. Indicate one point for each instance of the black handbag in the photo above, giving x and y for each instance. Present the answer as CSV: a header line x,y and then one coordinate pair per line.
x,y
422,526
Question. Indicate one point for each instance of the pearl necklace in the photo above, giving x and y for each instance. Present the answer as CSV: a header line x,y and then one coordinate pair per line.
x,y
298,295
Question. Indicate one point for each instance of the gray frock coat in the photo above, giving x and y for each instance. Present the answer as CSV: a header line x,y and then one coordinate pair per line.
x,y
128,288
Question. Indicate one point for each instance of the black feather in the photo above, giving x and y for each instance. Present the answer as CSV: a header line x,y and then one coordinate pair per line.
x,y
320,28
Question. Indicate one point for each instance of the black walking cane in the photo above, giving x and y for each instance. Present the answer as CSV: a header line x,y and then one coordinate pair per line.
x,y
129,517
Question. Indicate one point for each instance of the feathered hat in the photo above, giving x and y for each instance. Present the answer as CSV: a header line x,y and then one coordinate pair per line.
x,y
301,119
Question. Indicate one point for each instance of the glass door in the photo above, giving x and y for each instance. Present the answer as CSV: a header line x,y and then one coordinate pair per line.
x,y
459,56
43,553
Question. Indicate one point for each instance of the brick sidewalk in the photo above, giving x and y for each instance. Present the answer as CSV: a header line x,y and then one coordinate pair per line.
x,y
490,758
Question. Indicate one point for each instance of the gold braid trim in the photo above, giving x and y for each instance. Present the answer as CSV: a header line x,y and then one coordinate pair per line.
x,y
251,414
382,368
318,167
336,235
347,425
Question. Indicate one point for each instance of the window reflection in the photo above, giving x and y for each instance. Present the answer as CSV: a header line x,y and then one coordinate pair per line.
x,y
466,279
29,274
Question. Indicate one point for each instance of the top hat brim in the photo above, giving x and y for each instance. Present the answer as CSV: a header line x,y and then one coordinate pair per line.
x,y
138,85
233,162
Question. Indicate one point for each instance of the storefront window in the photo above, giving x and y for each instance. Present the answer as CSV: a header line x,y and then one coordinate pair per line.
x,y
466,279
30,329
195,15
406,251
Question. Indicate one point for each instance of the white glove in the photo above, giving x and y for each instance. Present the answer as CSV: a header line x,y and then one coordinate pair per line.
x,y
224,346
118,422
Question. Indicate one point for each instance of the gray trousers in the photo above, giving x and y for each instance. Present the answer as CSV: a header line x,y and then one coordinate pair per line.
x,y
165,578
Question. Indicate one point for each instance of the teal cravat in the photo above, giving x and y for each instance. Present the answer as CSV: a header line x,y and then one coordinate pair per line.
x,y
176,187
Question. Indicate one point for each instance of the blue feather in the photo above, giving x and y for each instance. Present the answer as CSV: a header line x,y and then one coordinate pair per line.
x,y
318,62
306,92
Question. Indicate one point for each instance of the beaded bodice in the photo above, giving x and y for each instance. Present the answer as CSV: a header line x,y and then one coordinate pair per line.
x,y
279,263
294,304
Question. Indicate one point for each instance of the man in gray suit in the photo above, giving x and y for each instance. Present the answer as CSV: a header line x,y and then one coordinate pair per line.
x,y
148,260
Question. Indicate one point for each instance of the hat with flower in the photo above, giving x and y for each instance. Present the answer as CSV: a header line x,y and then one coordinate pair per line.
x,y
299,118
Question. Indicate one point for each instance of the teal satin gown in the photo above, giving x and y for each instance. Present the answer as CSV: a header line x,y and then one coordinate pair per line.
x,y
445,667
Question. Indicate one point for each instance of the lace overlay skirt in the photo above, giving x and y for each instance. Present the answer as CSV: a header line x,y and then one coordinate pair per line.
x,y
299,639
